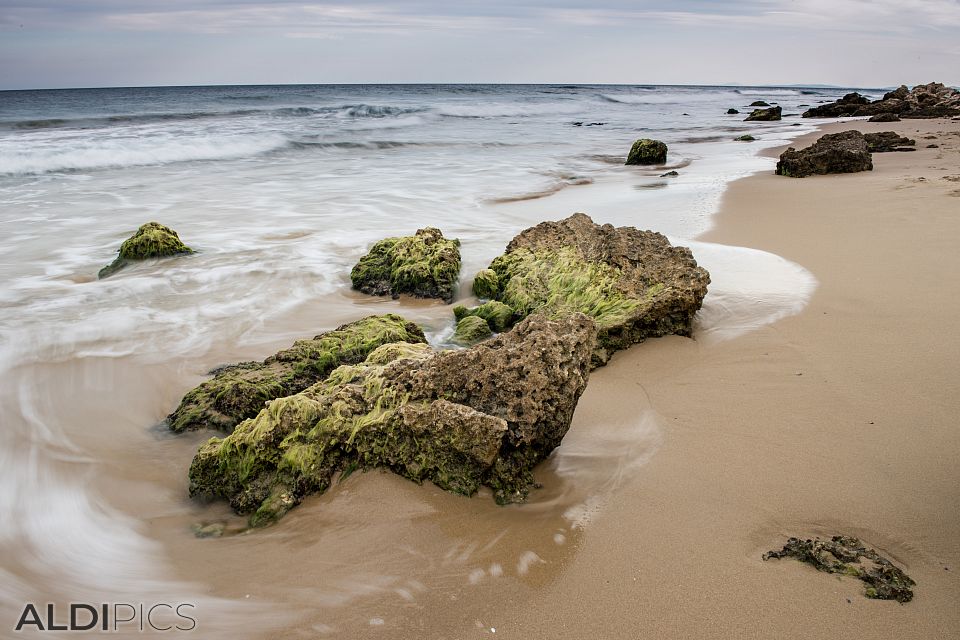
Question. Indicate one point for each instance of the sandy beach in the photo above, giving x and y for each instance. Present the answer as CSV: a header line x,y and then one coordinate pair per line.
x,y
839,420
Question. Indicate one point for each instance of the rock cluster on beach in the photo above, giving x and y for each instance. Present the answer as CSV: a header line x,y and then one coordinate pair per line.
x,y
425,265
847,556
931,100
634,284
845,152
647,151
885,141
461,419
764,115
152,240
238,392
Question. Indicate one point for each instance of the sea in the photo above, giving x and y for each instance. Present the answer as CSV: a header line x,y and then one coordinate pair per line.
x,y
280,190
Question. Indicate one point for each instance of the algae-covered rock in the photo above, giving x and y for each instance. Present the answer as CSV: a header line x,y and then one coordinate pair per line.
x,y
238,392
497,315
764,115
486,284
425,265
845,152
471,330
461,419
152,240
634,284
646,151
849,557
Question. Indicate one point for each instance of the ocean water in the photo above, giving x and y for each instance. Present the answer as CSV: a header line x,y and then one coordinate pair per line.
x,y
280,189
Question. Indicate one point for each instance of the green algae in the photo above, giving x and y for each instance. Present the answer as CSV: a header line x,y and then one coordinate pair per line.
x,y
647,151
471,330
486,284
424,265
497,315
152,240
238,392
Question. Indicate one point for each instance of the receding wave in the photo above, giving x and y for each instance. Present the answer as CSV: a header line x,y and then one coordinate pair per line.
x,y
768,92
127,153
556,187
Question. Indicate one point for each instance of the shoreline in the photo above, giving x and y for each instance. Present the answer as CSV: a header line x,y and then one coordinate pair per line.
x,y
837,420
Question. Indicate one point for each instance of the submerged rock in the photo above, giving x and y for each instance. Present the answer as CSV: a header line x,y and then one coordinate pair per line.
x,y
669,174
888,141
425,265
759,103
238,392
152,240
744,138
847,556
496,314
885,117
634,284
471,330
845,152
931,100
461,419
647,151
731,112
764,115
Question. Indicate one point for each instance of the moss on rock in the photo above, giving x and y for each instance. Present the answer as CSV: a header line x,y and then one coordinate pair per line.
x,y
647,151
471,330
425,265
485,284
633,284
238,392
152,240
461,419
497,315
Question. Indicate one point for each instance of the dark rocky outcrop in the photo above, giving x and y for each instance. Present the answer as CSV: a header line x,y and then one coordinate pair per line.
x,y
731,112
885,117
152,240
461,419
759,103
845,152
425,265
238,392
670,174
847,556
888,141
646,151
765,115
634,284
931,100
744,138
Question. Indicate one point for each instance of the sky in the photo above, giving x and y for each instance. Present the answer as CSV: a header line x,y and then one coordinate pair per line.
x,y
861,43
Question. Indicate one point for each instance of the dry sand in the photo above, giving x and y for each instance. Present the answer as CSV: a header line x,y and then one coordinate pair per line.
x,y
842,419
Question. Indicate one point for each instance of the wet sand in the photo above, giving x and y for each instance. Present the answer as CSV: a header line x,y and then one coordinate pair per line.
x,y
842,419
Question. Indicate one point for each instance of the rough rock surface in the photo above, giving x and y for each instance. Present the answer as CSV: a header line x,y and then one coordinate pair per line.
x,y
931,100
847,556
471,330
888,141
152,240
885,117
238,392
461,419
634,284
845,152
646,151
764,115
425,265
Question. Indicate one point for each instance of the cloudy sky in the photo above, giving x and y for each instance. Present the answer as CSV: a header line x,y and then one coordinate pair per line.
x,y
83,43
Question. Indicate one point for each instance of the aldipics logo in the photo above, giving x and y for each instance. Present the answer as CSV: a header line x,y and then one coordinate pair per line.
x,y
117,616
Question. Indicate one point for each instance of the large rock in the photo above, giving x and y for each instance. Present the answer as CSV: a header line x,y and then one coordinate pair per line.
x,y
884,141
931,100
845,152
152,240
634,284
764,115
238,392
425,265
461,419
647,151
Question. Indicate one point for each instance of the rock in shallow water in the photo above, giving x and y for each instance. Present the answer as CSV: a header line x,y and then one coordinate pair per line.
x,y
239,391
152,240
634,284
471,330
425,265
845,152
647,151
764,115
461,419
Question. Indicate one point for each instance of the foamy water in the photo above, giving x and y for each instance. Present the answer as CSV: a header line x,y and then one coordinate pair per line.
x,y
280,190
